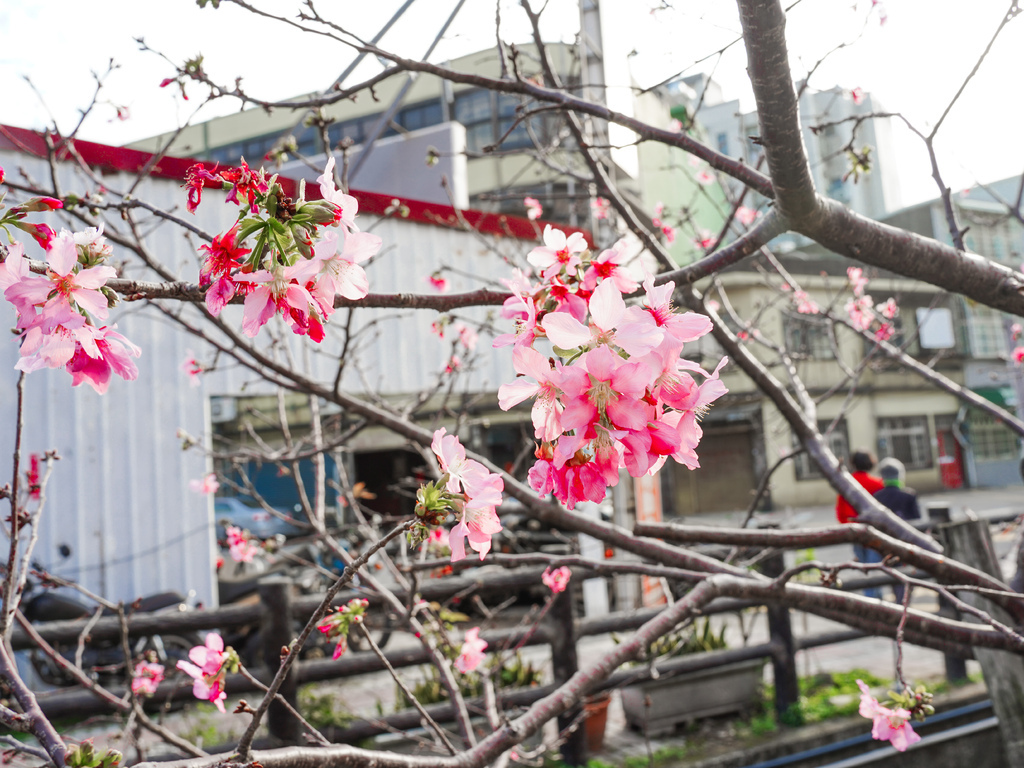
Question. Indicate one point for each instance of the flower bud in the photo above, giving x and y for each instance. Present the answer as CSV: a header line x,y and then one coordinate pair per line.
x,y
38,204
321,212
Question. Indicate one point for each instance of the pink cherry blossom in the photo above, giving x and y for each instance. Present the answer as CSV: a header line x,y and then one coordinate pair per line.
x,y
472,652
857,94
705,239
658,308
95,358
348,204
1018,355
705,177
192,369
240,547
207,668
669,233
339,272
857,280
206,485
609,266
601,386
860,312
146,677
438,282
1016,330
746,216
281,290
479,520
889,310
556,580
68,288
804,304
467,336
607,312
558,252
600,206
892,725
546,409
884,332
533,208
523,308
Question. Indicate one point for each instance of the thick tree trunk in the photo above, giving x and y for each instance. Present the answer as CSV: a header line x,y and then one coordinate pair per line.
x,y
970,542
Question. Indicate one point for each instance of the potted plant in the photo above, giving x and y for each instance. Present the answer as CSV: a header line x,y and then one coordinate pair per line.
x,y
658,706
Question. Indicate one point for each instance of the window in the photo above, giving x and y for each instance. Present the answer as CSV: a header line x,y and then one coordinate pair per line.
x,y
807,338
722,140
474,111
905,438
488,116
422,115
988,337
991,439
838,442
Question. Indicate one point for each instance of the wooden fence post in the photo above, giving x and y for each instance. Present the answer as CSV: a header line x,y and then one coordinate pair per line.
x,y
970,542
276,633
956,666
564,664
780,630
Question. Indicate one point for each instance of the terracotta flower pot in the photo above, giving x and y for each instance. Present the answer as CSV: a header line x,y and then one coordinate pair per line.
x,y
596,710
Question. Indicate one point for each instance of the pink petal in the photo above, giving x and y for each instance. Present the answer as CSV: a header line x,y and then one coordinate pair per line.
x,y
565,331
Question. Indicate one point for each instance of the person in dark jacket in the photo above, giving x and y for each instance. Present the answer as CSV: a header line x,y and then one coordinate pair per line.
x,y
902,501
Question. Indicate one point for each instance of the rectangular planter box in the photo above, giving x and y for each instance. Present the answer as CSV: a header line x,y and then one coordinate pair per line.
x,y
687,697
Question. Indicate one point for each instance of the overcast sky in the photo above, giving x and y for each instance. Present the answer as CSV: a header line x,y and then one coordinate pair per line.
x,y
912,63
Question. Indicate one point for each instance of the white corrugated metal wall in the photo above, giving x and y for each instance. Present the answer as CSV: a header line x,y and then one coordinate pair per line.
x,y
119,498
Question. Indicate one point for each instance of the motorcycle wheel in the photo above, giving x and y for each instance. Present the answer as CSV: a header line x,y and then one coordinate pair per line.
x,y
170,649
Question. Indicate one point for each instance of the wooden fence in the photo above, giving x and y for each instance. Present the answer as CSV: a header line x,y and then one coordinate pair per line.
x,y
278,608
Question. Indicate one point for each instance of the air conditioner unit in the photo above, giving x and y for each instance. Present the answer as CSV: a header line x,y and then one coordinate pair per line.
x,y
223,409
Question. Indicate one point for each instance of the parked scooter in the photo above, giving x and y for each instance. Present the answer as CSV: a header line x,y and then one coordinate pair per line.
x,y
103,660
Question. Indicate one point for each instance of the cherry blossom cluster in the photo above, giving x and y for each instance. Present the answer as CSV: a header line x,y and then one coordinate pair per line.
x,y
862,310
209,666
465,489
892,725
1018,351
617,394
303,253
60,312
337,625
666,229
472,652
146,677
241,548
533,208
805,305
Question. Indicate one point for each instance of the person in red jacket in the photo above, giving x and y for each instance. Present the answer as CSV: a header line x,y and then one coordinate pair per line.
x,y
862,463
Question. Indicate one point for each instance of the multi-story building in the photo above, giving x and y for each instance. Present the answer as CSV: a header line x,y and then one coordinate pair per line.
x,y
487,151
990,452
838,135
